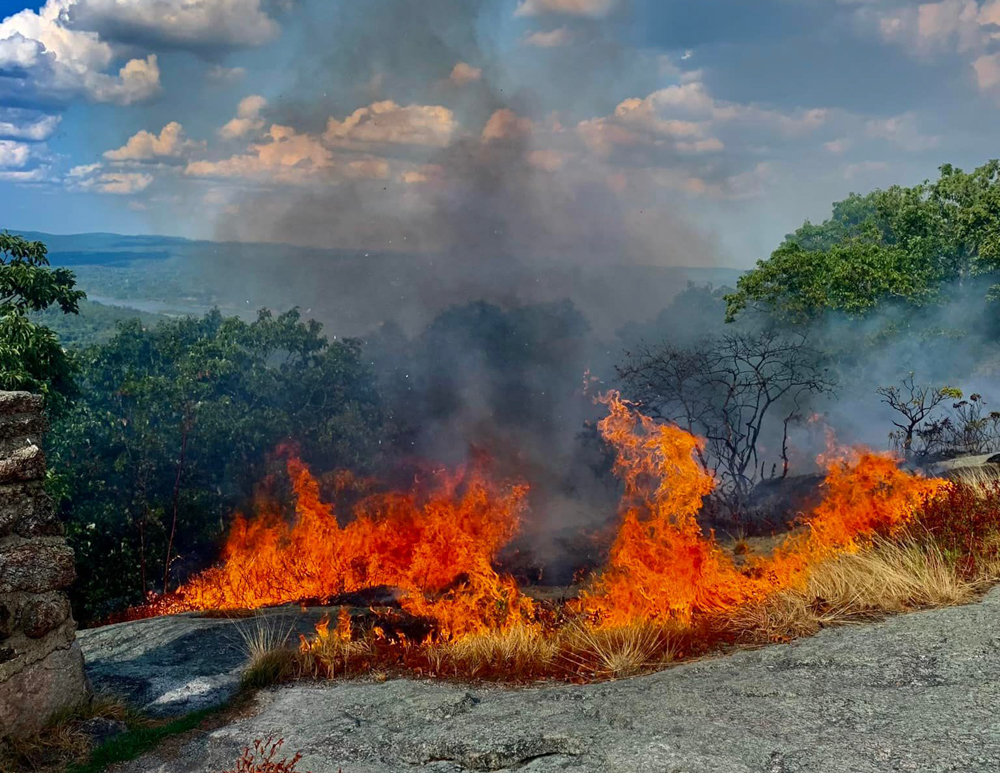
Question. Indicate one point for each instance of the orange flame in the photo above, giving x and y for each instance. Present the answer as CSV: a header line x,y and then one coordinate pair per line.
x,y
439,546
442,543
662,565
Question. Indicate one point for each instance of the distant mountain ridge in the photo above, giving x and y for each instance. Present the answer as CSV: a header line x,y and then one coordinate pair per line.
x,y
353,291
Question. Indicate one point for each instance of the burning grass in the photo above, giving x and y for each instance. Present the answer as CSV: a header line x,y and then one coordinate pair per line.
x,y
882,540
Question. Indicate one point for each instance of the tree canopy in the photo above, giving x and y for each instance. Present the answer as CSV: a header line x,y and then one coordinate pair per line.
x,y
912,247
173,429
30,354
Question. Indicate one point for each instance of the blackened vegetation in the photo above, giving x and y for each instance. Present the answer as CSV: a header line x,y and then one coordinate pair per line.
x,y
741,392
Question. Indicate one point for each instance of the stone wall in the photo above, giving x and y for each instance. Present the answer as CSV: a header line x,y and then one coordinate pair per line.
x,y
41,667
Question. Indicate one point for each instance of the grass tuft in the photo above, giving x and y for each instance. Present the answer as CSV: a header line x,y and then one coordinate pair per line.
x,y
887,577
617,652
270,659
518,652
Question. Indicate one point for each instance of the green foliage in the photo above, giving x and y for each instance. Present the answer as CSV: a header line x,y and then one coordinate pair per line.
x,y
905,246
95,323
30,355
141,739
174,428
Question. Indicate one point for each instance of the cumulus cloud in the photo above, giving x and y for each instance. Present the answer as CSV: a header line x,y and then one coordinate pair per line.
x,y
247,118
92,177
557,37
59,63
193,24
386,123
987,70
146,146
22,125
505,125
290,157
687,118
593,8
286,156
463,73
14,154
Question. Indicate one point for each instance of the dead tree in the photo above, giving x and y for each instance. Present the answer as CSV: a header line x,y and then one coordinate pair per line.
x,y
730,390
914,404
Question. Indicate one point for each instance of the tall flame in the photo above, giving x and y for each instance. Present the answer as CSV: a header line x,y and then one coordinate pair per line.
x,y
442,542
662,564
438,546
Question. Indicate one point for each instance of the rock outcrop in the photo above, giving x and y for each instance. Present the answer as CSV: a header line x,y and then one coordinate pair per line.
x,y
917,692
41,666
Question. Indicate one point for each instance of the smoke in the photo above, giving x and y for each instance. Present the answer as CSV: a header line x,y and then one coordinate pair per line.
x,y
451,246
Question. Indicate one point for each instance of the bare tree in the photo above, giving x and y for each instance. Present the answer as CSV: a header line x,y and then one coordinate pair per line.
x,y
730,390
915,404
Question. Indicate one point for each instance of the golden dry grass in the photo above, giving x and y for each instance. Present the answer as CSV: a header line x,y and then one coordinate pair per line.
x,y
982,478
265,642
627,650
520,651
887,577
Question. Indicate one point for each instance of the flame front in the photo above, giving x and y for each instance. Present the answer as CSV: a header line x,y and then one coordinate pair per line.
x,y
438,547
663,566
441,544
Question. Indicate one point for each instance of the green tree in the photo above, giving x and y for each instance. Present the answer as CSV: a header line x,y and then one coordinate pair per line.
x,y
909,247
174,428
30,354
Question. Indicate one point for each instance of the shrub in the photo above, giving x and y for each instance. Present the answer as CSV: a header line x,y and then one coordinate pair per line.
x,y
261,759
964,522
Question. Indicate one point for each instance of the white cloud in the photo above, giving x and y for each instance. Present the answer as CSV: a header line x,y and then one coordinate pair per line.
x,y
36,175
84,170
198,24
14,125
987,70
91,177
593,8
557,37
62,63
902,130
838,146
247,118
146,146
687,118
123,183
221,74
386,123
505,125
14,154
463,73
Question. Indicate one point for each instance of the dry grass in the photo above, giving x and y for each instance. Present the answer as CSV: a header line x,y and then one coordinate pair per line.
x,y
518,652
64,741
332,656
982,478
604,653
888,577
270,658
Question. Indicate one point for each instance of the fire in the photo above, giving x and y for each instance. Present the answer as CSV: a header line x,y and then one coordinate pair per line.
x,y
438,544
663,566
661,563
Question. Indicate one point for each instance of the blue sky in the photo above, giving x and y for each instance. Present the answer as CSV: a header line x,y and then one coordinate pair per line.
x,y
657,131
